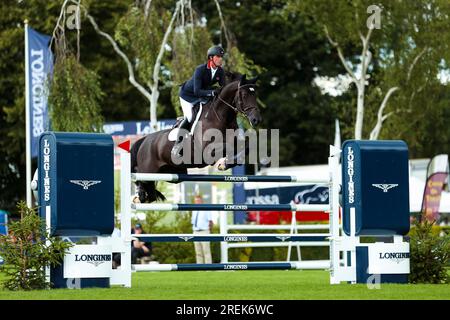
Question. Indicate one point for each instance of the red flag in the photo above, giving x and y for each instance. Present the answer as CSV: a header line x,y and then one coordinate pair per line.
x,y
125,145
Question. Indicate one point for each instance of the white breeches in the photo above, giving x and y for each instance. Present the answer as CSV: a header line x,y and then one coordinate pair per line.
x,y
187,109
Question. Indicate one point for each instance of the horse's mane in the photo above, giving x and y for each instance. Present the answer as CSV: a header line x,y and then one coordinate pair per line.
x,y
232,77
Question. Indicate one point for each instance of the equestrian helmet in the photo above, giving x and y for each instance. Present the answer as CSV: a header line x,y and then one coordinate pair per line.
x,y
215,51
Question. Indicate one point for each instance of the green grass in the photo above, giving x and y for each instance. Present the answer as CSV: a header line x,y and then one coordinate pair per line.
x,y
239,285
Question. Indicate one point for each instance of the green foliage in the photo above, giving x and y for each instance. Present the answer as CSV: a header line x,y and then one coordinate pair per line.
x,y
26,252
238,61
141,36
175,252
430,254
189,47
408,51
74,100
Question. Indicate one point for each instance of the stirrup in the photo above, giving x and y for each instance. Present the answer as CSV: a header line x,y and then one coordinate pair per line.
x,y
177,147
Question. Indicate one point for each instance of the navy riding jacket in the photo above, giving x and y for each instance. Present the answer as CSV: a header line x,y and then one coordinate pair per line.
x,y
199,87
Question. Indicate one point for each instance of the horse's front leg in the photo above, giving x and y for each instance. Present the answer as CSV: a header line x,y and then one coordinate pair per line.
x,y
234,156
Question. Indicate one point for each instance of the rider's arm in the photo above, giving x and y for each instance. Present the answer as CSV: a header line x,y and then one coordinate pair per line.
x,y
198,91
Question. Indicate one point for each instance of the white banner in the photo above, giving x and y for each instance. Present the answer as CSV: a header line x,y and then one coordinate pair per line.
x,y
88,261
389,258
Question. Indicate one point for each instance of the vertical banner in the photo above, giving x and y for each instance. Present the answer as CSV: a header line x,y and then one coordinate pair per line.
x,y
39,67
3,222
437,179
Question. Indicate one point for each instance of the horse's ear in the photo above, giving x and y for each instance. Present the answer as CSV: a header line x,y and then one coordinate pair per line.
x,y
243,80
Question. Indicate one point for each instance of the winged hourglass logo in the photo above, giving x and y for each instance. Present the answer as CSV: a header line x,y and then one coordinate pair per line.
x,y
85,183
385,186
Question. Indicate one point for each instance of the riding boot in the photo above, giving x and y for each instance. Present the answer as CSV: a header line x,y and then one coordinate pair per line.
x,y
186,125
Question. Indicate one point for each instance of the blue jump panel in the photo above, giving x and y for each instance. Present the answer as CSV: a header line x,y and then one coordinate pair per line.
x,y
375,181
76,183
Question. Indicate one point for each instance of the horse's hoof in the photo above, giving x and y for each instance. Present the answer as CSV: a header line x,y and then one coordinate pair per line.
x,y
135,199
222,164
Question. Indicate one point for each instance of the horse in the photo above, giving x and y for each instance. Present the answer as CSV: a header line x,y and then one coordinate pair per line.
x,y
152,153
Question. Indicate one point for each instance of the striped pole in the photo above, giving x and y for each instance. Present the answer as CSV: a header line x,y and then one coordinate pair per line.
x,y
229,207
214,266
169,177
231,238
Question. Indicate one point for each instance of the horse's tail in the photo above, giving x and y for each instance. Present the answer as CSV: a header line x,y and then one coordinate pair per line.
x,y
147,190
134,151
158,195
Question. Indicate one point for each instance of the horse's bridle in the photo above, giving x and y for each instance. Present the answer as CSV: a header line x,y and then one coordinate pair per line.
x,y
239,101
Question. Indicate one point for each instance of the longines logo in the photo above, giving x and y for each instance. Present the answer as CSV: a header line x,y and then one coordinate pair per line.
x,y
235,179
395,256
95,259
385,186
235,267
350,173
85,183
46,166
235,238
235,207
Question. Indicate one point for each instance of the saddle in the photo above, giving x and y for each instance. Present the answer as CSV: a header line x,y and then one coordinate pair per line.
x,y
173,134
195,111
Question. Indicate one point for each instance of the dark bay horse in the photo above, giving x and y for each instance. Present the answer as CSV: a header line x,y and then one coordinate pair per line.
x,y
152,153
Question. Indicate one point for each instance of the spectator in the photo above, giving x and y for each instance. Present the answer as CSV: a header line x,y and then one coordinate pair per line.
x,y
139,248
116,255
202,224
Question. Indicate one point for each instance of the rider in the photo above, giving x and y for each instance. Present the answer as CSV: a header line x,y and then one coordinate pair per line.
x,y
199,87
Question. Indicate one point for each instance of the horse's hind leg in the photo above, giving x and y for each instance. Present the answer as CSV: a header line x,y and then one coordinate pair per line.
x,y
139,191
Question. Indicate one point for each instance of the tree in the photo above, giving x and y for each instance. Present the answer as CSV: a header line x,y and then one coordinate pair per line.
x,y
408,48
12,93
28,249
42,16
74,93
139,32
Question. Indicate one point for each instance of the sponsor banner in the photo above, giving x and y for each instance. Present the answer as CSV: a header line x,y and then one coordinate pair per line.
x,y
39,69
138,128
389,258
88,261
432,195
307,194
